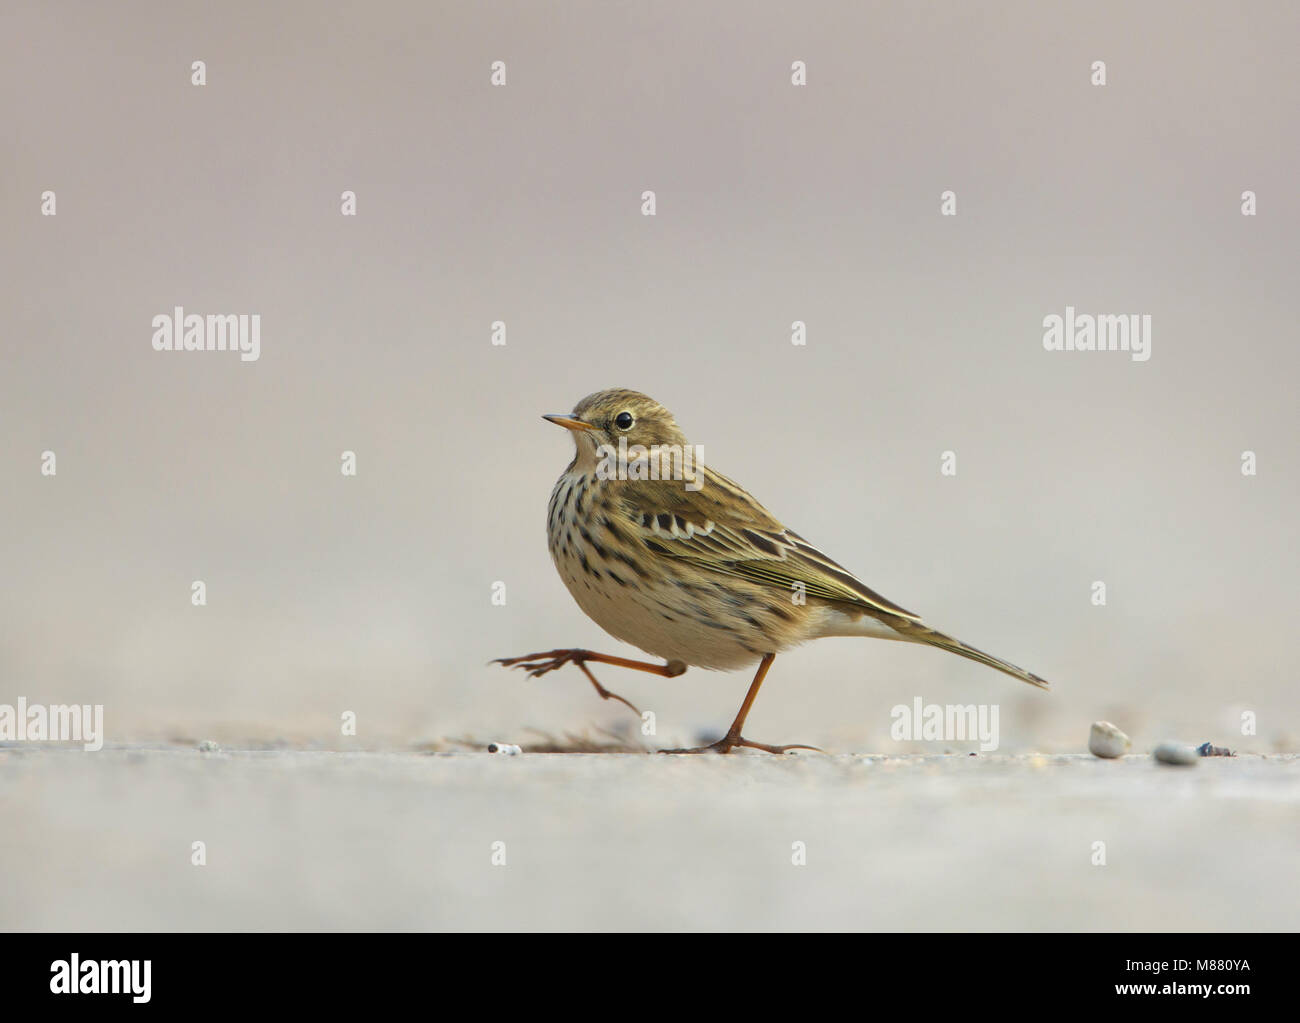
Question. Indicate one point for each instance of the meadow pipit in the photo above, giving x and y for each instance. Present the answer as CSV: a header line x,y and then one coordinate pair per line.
x,y
668,555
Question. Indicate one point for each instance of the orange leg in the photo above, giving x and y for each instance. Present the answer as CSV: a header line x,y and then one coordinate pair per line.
x,y
539,664
733,738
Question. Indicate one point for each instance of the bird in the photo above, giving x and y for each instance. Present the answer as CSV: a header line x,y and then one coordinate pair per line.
x,y
667,554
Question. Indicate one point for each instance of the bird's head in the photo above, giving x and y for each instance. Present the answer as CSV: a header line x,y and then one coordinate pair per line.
x,y
606,417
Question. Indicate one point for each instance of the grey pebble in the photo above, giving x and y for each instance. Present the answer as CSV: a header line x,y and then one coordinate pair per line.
x,y
1107,741
1176,753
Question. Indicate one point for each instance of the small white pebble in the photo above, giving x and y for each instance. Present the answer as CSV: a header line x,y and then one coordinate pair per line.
x,y
208,746
508,749
1176,753
1105,740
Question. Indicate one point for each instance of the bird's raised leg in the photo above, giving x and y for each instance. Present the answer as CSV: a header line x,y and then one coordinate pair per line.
x,y
733,738
539,664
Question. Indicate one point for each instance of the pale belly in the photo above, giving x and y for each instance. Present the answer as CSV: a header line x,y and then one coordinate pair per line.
x,y
662,625
668,612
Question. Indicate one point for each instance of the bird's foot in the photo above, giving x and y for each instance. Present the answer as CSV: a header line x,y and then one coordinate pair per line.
x,y
730,742
537,665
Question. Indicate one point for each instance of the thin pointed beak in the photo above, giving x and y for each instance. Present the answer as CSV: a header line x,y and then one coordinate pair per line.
x,y
568,422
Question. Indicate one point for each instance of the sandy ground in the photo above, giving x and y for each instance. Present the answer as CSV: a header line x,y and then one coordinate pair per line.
x,y
405,840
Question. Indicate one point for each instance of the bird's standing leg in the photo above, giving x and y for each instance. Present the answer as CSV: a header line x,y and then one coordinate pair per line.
x,y
733,738
539,664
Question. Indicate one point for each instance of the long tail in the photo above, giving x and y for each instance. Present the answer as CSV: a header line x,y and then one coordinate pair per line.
x,y
917,632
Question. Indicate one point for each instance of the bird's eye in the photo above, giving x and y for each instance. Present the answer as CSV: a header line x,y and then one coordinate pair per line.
x,y
624,420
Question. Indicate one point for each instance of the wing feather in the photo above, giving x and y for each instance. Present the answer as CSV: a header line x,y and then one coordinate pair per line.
x,y
722,528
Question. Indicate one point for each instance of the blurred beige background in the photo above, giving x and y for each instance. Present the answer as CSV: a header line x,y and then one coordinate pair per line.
x,y
521,204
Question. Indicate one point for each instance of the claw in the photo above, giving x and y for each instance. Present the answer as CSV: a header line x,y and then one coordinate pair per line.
x,y
537,665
